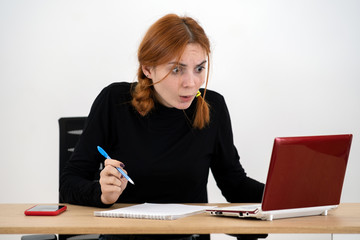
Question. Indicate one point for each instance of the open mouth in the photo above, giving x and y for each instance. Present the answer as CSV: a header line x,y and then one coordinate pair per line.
x,y
186,98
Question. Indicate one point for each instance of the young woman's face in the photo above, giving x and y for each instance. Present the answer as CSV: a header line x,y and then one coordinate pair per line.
x,y
179,88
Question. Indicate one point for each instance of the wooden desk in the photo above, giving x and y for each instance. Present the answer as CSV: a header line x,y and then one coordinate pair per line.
x,y
80,220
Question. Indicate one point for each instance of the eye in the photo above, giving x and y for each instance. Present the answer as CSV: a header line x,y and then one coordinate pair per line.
x,y
176,70
199,69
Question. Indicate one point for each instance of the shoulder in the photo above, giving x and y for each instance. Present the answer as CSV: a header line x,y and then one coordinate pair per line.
x,y
119,88
113,95
218,109
214,99
121,91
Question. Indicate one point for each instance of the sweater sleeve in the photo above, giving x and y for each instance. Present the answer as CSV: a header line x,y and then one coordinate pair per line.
x,y
230,176
77,184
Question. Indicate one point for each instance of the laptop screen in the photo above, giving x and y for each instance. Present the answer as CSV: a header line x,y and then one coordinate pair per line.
x,y
306,172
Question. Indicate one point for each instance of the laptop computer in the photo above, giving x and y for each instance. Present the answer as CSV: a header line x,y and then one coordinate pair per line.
x,y
305,178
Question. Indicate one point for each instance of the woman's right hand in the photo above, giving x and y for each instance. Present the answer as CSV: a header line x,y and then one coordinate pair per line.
x,y
112,182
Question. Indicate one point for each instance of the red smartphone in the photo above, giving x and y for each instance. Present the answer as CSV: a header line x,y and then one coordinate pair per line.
x,y
45,210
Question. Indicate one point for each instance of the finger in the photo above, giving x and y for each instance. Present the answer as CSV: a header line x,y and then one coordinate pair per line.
x,y
122,176
110,171
114,163
111,180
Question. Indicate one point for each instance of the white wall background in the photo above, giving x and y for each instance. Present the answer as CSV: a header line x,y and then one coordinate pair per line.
x,y
285,68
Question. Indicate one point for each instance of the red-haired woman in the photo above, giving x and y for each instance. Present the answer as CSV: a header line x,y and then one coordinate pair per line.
x,y
163,130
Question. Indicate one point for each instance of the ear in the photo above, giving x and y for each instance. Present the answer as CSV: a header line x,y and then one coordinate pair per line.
x,y
147,71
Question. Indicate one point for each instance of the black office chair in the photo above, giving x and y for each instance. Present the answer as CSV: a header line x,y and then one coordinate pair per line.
x,y
70,130
249,236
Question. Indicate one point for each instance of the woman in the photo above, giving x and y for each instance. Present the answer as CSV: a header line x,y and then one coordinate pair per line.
x,y
162,130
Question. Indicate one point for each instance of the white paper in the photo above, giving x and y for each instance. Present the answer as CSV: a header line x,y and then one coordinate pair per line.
x,y
165,211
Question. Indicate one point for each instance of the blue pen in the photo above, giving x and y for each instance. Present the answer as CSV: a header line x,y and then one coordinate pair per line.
x,y
102,151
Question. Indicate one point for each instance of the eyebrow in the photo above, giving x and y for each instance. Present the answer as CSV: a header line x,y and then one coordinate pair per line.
x,y
184,65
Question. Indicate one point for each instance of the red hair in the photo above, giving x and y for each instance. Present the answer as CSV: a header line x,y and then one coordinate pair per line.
x,y
167,38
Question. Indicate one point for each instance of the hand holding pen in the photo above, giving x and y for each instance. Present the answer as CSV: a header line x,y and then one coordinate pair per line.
x,y
112,183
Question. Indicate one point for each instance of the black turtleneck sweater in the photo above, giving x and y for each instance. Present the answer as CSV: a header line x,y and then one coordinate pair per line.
x,y
168,160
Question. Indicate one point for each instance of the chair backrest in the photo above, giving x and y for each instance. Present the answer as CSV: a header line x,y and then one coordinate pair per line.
x,y
70,130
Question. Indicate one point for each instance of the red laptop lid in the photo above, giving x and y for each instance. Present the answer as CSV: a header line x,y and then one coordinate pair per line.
x,y
306,172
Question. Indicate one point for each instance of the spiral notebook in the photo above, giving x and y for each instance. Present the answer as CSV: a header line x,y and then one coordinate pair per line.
x,y
164,211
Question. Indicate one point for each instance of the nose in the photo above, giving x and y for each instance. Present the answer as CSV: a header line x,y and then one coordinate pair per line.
x,y
188,79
